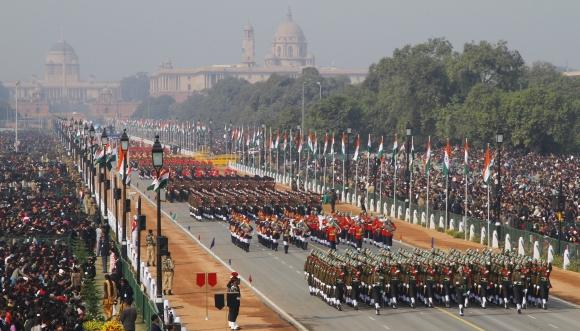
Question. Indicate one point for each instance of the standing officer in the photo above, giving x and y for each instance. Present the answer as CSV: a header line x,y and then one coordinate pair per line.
x,y
150,240
167,268
233,300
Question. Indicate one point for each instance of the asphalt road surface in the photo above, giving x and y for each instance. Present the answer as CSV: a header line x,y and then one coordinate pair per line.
x,y
281,278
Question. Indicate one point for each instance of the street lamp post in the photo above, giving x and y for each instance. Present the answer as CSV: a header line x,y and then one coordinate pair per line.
x,y
16,118
104,143
92,165
157,158
302,120
124,150
345,180
319,90
409,134
499,141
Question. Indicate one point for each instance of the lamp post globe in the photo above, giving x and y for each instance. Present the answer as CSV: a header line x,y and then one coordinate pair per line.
x,y
124,141
157,154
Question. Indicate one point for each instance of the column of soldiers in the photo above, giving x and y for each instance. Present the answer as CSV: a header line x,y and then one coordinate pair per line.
x,y
384,278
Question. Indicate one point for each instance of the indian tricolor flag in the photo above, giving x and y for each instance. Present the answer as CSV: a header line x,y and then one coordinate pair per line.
x,y
447,159
99,156
428,157
465,158
159,182
299,143
356,147
380,150
487,165
121,169
394,152
332,145
369,145
285,143
325,147
343,143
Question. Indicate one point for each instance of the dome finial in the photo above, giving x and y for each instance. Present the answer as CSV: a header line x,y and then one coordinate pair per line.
x,y
289,15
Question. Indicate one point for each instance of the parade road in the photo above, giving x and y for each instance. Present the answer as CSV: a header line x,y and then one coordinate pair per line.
x,y
280,277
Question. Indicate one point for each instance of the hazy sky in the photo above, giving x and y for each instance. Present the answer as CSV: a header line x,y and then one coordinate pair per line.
x,y
115,38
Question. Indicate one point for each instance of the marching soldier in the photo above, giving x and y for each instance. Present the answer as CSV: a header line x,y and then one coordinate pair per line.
x,y
234,296
167,268
150,241
518,279
460,284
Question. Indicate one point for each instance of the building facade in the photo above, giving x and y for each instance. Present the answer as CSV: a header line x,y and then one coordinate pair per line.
x,y
288,56
62,85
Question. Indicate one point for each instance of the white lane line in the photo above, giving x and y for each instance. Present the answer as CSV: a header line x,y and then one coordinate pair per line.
x,y
275,257
530,316
298,272
291,267
371,318
386,327
266,299
553,326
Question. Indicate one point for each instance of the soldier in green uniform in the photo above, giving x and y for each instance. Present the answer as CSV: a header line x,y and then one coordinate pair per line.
x,y
167,268
150,241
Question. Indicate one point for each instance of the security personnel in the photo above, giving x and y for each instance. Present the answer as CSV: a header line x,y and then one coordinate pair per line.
x,y
234,296
167,268
150,241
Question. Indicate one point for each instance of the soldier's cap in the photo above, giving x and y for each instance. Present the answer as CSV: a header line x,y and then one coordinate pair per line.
x,y
234,274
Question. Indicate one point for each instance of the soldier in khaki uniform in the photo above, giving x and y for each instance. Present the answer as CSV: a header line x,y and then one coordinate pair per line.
x,y
167,268
150,241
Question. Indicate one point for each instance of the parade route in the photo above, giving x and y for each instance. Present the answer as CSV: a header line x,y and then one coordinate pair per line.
x,y
280,278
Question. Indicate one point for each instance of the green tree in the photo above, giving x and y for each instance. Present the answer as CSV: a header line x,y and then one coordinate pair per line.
x,y
155,108
135,87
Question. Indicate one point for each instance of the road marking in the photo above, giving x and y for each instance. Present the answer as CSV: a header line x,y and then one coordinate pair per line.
x,y
386,327
267,300
475,327
291,267
298,272
371,318
275,257
553,326
530,316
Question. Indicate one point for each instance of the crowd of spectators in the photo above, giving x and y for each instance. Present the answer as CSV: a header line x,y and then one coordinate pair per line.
x,y
530,181
40,212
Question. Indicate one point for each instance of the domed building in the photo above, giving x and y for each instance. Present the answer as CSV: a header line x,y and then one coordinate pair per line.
x,y
62,64
289,47
62,85
288,56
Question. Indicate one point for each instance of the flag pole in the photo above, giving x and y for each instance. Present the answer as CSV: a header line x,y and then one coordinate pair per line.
x,y
466,197
380,183
333,171
446,199
428,219
368,175
488,220
395,184
411,180
324,174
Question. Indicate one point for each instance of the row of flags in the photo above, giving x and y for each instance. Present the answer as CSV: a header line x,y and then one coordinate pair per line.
x,y
329,141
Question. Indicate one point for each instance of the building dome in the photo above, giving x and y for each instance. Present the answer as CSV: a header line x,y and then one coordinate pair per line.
x,y
289,47
61,56
288,30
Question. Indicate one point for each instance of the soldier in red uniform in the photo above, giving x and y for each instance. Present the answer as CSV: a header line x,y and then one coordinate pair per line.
x,y
506,275
332,235
358,236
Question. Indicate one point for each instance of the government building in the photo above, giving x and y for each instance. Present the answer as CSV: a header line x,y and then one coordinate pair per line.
x,y
288,56
62,89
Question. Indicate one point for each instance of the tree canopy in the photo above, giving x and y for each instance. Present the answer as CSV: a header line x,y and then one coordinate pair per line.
x,y
441,92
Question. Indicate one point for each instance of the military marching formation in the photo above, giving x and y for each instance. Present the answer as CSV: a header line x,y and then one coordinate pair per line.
x,y
388,278
218,198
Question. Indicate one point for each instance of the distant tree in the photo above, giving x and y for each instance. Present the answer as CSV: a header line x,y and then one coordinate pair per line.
x,y
155,108
135,87
4,93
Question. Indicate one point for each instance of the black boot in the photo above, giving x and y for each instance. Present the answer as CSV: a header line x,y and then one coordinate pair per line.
x,y
285,249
